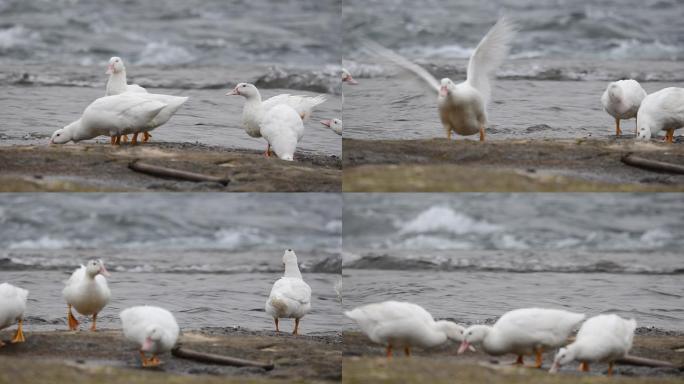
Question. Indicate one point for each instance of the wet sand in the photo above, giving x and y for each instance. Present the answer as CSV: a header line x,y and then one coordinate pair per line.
x,y
102,167
364,362
105,357
544,165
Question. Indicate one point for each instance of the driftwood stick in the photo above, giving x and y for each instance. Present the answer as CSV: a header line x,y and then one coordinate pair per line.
x,y
203,357
652,165
159,171
644,362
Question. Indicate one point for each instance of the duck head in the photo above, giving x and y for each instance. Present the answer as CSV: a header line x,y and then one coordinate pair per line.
x,y
116,65
446,86
95,267
564,356
153,334
473,335
245,90
347,78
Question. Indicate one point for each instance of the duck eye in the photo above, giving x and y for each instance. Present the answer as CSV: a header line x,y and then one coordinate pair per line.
x,y
244,85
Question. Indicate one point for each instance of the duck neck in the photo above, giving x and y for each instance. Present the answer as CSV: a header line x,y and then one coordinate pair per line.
x,y
117,83
75,133
292,270
441,331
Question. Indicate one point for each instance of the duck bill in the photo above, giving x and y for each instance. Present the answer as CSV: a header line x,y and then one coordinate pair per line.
x,y
110,70
555,367
147,345
350,80
443,91
326,123
464,347
104,272
234,92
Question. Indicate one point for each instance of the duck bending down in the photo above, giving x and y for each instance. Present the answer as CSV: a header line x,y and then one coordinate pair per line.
x,y
403,325
523,332
463,107
290,296
153,329
119,115
621,100
334,124
12,308
87,292
602,338
661,111
255,110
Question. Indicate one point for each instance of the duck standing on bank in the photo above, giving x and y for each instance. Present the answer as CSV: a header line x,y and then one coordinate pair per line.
x,y
621,100
404,325
661,111
290,296
12,308
463,106
602,338
87,292
526,331
153,329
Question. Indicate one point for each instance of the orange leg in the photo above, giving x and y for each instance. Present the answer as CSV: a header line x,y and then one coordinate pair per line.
x,y
19,336
93,327
407,351
482,133
539,359
618,132
584,367
146,137
296,329
276,323
143,359
112,140
610,369
134,140
388,352
73,323
670,135
118,140
124,138
268,151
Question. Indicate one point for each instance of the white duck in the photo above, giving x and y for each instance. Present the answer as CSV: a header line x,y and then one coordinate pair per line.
x,y
154,329
463,107
87,292
621,100
12,308
290,296
523,332
602,338
403,325
282,128
254,110
119,115
334,124
661,111
116,83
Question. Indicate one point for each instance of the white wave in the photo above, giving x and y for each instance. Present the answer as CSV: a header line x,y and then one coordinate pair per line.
x,y
445,219
17,36
45,242
334,226
162,53
656,237
431,242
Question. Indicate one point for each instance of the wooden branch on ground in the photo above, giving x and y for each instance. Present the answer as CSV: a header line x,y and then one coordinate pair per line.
x,y
645,362
652,165
212,358
159,171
